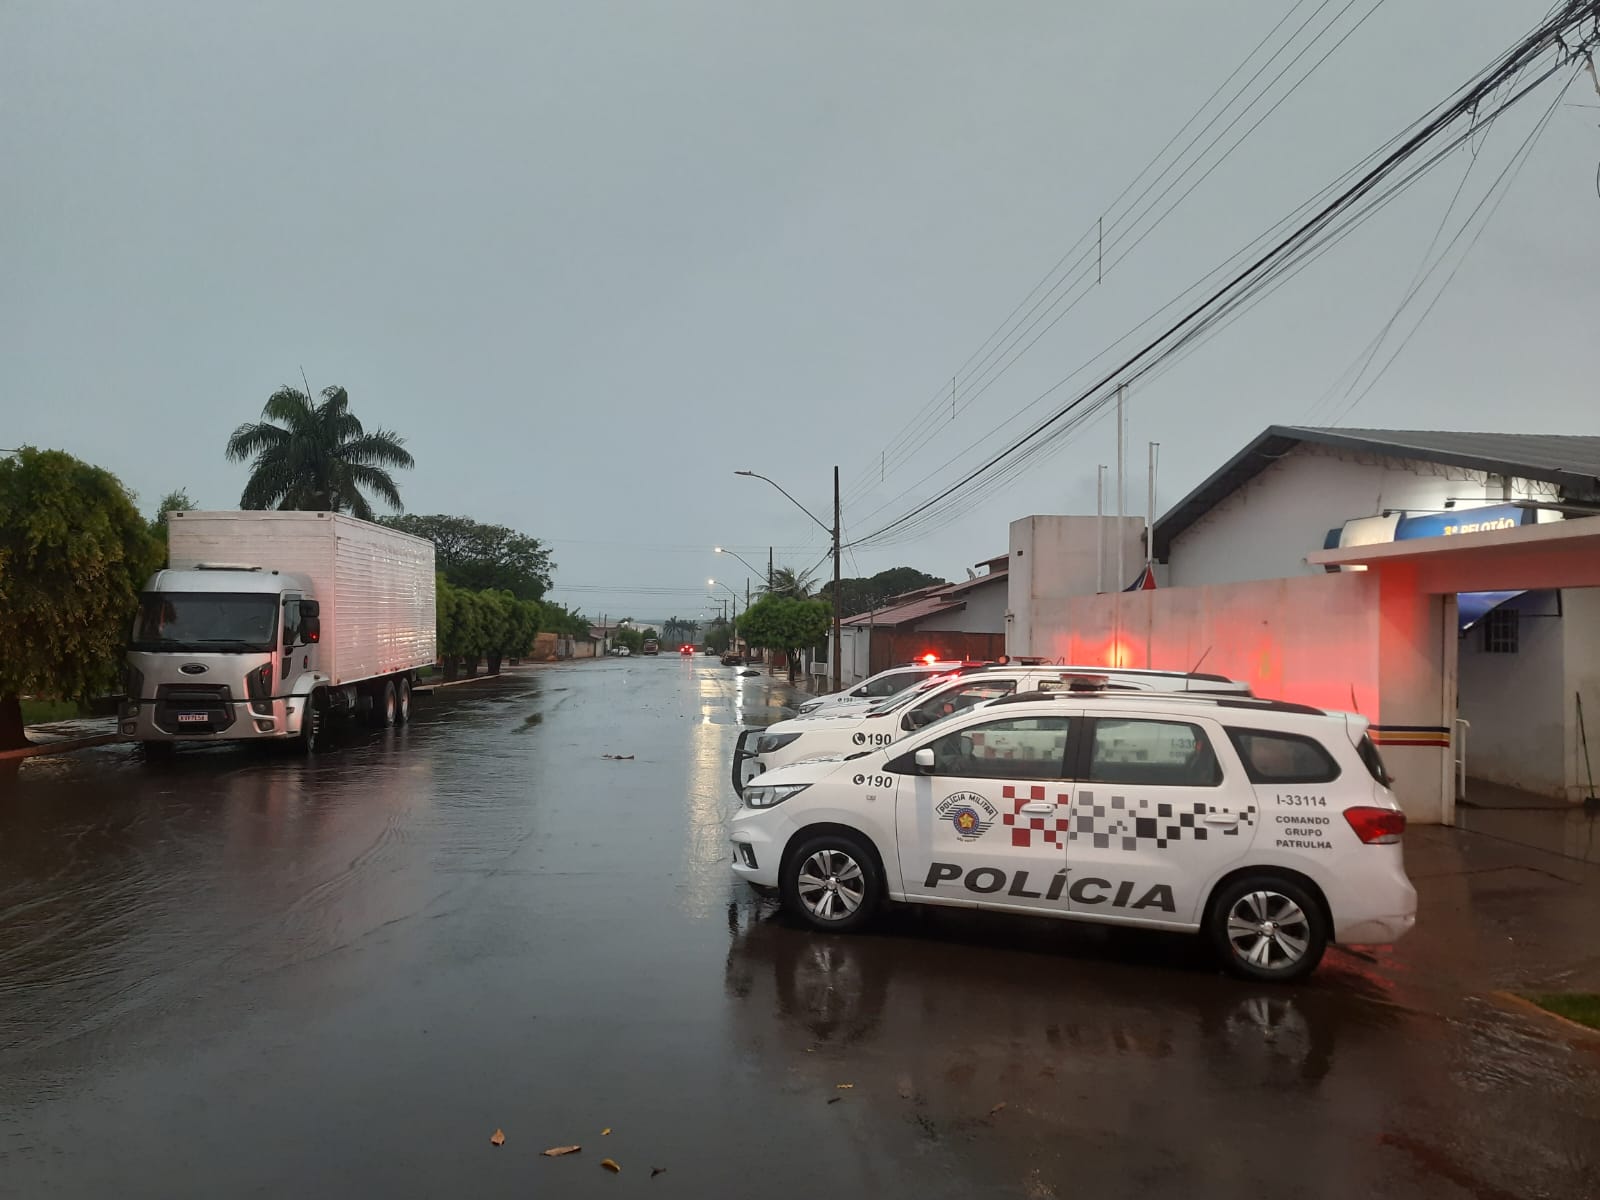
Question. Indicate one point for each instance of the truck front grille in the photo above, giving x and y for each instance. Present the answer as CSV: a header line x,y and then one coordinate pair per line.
x,y
193,708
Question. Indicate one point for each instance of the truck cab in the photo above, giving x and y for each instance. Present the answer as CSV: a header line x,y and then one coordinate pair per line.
x,y
221,653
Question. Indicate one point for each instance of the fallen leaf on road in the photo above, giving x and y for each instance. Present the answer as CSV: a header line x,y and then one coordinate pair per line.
x,y
618,757
654,1171
558,1151
997,1108
610,1165
606,1132
499,1138
844,1086
835,1099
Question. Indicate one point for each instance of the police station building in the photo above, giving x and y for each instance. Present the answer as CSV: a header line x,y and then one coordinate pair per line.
x,y
1444,585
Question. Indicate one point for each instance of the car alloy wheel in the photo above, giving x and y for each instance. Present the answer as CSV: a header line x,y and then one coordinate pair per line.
x,y
831,885
1268,928
831,881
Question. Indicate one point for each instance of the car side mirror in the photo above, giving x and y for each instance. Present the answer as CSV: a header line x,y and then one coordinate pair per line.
x,y
923,759
310,629
310,608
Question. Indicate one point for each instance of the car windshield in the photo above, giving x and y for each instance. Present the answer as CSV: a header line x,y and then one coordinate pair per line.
x,y
900,699
239,622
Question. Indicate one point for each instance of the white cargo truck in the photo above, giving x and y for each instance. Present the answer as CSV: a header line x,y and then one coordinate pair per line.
x,y
273,625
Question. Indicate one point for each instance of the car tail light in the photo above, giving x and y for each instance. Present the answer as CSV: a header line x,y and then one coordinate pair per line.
x,y
1376,826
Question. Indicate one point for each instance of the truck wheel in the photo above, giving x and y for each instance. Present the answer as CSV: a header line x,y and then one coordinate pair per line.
x,y
832,882
385,704
1267,927
312,726
402,711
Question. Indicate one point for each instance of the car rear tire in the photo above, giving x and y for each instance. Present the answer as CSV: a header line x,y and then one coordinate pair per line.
x,y
1267,927
402,711
831,882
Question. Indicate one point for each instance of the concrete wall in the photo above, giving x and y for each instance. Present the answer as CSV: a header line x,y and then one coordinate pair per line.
x,y
1266,528
1053,558
1515,702
1346,642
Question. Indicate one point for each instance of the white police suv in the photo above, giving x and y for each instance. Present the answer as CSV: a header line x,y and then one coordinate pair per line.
x,y
847,731
875,689
1267,827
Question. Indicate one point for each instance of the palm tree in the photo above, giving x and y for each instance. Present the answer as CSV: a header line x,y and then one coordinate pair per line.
x,y
791,584
315,455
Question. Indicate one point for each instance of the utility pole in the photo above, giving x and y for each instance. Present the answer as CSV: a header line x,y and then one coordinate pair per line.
x,y
1100,528
1122,495
1150,520
838,596
769,568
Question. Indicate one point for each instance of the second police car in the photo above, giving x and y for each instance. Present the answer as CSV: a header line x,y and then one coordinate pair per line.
x,y
847,731
1267,827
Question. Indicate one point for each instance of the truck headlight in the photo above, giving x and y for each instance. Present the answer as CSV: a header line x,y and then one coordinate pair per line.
x,y
765,796
768,742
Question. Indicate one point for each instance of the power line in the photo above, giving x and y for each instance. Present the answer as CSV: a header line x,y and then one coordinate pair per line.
x,y
1297,244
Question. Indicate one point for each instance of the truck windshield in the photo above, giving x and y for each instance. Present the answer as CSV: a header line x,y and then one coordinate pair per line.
x,y
214,622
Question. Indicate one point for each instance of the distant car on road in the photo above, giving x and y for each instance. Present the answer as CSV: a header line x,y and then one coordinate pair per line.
x,y
686,649
621,652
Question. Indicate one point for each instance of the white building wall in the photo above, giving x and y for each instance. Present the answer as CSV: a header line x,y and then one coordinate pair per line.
x,y
1055,557
1514,702
1267,527
1580,628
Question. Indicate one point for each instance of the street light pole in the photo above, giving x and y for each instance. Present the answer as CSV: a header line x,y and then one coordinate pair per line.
x,y
838,596
833,533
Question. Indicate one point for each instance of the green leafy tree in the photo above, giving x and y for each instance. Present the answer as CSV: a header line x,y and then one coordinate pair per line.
x,y
315,455
74,553
790,583
627,635
863,594
478,557
177,501
462,632
557,618
783,623
718,636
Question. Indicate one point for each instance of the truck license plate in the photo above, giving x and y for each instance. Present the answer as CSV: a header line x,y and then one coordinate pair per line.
x,y
194,718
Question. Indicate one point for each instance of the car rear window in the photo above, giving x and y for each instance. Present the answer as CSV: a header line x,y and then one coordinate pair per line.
x,y
1273,757
1374,761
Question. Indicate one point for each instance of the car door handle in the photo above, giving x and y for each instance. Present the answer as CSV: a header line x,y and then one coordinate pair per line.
x,y
1038,809
1222,818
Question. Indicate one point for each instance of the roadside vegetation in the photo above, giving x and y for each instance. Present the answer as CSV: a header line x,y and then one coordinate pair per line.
x,y
1580,1007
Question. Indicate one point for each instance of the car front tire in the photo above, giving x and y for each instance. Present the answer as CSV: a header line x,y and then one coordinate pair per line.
x,y
1267,927
831,882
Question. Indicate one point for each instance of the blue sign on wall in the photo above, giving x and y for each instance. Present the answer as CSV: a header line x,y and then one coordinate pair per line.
x,y
1464,520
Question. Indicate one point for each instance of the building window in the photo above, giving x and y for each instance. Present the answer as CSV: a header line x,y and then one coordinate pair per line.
x,y
1500,631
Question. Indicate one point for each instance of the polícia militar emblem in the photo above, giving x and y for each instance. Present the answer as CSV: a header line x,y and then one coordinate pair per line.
x,y
969,814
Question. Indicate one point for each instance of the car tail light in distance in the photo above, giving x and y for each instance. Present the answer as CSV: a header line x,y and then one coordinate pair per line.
x,y
1376,826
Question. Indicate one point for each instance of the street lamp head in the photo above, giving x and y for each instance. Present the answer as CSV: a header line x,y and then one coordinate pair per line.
x,y
711,583
751,473
717,549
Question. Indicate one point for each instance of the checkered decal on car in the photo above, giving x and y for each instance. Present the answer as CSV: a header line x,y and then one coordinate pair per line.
x,y
1130,824
1023,825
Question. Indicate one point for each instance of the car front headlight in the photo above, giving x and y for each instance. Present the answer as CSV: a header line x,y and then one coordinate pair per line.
x,y
769,742
766,795
811,706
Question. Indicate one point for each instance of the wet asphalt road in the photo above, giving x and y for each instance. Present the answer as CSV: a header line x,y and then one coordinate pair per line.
x,y
245,974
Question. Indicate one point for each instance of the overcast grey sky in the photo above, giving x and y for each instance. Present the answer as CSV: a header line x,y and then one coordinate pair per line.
x,y
589,258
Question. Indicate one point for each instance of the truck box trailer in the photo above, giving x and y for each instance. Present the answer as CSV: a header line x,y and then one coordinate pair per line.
x,y
273,624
